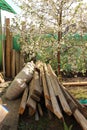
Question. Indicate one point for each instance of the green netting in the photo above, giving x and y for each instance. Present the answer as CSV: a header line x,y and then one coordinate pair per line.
x,y
16,44
85,37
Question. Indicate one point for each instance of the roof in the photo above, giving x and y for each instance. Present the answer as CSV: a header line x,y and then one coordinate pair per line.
x,y
5,6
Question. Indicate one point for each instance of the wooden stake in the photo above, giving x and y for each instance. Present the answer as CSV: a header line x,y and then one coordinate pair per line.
x,y
23,101
45,88
3,113
48,104
55,104
30,102
80,106
13,64
72,104
32,106
8,49
75,84
17,62
80,119
38,88
40,110
36,116
59,92
35,97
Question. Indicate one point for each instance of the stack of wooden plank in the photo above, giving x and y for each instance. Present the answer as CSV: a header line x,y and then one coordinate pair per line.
x,y
57,99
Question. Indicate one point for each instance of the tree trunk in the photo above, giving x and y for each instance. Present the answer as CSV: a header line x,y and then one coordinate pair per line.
x,y
59,20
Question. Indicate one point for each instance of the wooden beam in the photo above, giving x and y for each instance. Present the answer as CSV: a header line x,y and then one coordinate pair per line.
x,y
17,62
38,87
8,49
40,110
80,119
32,106
59,92
32,88
10,121
81,107
30,102
21,61
13,64
3,113
55,104
23,101
75,83
45,87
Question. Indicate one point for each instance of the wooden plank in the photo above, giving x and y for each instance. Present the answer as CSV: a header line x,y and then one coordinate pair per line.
x,y
31,111
40,110
35,97
55,104
75,110
3,113
72,104
37,89
82,108
36,116
48,104
32,106
17,62
4,49
23,101
30,102
8,49
31,93
74,83
80,119
21,61
13,64
45,88
10,121
58,92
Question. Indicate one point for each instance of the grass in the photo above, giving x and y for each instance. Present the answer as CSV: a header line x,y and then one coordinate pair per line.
x,y
79,92
66,127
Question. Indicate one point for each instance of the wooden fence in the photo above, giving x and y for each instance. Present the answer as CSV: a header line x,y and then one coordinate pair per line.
x,y
12,60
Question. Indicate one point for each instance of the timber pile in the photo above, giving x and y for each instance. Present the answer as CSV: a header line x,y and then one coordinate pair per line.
x,y
57,99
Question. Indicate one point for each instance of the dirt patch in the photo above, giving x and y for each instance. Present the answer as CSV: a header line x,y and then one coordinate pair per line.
x,y
45,123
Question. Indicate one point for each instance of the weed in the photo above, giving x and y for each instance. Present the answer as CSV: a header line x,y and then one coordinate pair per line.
x,y
66,127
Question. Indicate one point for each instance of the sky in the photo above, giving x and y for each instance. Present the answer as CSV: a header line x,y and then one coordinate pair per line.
x,y
7,14
16,8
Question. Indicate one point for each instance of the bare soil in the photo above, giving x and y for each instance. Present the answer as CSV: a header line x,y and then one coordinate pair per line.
x,y
45,123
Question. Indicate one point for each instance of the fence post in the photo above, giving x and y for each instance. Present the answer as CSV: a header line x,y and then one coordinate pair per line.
x,y
8,48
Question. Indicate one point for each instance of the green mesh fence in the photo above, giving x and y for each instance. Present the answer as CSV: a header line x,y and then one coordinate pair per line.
x,y
16,44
